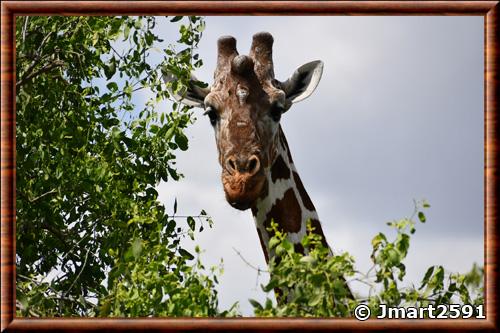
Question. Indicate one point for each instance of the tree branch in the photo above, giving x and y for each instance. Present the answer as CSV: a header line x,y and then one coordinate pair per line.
x,y
42,195
46,68
25,27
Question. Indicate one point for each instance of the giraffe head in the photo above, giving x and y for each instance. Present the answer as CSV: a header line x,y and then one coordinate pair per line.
x,y
245,104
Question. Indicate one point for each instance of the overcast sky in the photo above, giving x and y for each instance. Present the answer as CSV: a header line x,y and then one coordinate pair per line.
x,y
397,116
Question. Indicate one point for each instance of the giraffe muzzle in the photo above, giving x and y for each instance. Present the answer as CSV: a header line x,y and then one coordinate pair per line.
x,y
242,195
243,181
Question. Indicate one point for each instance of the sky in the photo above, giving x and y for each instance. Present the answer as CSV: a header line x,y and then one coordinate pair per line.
x,y
397,116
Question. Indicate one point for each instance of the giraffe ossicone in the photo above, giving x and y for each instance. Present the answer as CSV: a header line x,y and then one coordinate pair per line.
x,y
245,104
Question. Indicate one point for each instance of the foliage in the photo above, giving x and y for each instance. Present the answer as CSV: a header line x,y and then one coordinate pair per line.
x,y
313,283
92,239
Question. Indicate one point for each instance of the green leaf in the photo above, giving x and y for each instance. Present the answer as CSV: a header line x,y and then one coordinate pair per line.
x,y
437,279
23,299
378,240
112,86
169,133
318,279
200,84
182,141
136,247
421,217
191,223
307,260
427,276
273,242
402,271
173,173
154,129
403,243
128,255
255,304
315,299
126,32
393,257
287,246
110,70
186,254
176,18
273,283
170,227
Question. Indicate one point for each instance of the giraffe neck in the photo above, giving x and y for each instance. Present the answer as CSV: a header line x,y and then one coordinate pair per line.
x,y
285,201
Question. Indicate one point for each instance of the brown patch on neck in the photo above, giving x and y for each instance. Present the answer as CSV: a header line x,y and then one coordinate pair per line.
x,y
286,212
319,231
279,169
303,194
298,248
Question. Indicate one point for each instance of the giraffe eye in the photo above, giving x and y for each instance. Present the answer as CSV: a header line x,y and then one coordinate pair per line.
x,y
212,115
276,111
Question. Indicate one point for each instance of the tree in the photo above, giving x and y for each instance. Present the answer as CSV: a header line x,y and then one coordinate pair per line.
x,y
92,239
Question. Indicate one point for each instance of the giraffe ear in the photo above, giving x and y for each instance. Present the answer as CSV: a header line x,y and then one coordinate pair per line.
x,y
303,81
194,95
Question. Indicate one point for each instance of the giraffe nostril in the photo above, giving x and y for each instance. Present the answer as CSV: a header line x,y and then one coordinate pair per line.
x,y
249,166
231,165
253,165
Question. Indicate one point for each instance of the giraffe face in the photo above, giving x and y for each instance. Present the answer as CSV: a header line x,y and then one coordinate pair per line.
x,y
244,105
245,114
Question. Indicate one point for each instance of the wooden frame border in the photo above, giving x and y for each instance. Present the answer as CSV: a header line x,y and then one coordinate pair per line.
x,y
9,9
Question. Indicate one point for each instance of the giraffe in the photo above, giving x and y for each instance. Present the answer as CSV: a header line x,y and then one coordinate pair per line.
x,y
244,105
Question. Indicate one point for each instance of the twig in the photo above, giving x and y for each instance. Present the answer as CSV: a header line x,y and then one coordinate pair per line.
x,y
80,273
369,271
28,278
74,246
361,281
42,195
258,269
124,93
116,52
193,216
24,28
